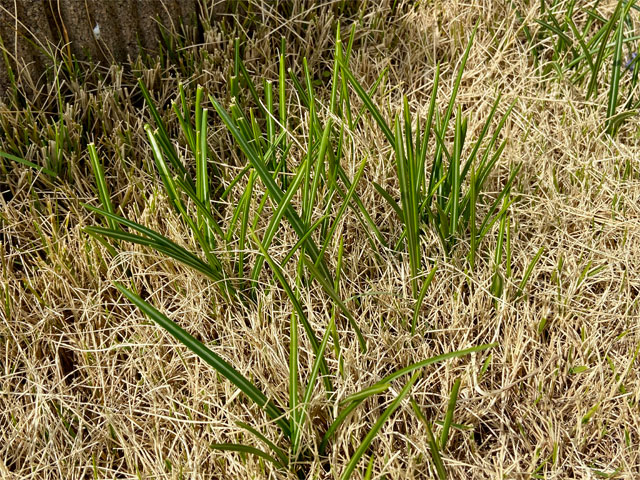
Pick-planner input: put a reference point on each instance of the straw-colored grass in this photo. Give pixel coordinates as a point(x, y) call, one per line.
point(90, 388)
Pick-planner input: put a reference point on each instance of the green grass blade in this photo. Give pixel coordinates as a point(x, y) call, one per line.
point(458, 81)
point(282, 94)
point(333, 104)
point(583, 46)
point(422, 155)
point(244, 224)
point(423, 291)
point(369, 471)
point(27, 163)
point(366, 393)
point(161, 243)
point(274, 223)
point(343, 206)
point(155, 237)
point(346, 411)
point(184, 117)
point(271, 113)
point(101, 183)
point(315, 369)
point(434, 449)
point(368, 102)
point(361, 212)
point(183, 257)
point(346, 474)
point(294, 421)
point(454, 168)
point(202, 178)
point(473, 198)
point(282, 456)
point(606, 31)
point(453, 398)
point(252, 87)
point(301, 240)
point(409, 208)
point(310, 93)
point(236, 447)
point(274, 190)
point(172, 192)
point(319, 168)
point(211, 358)
point(328, 288)
point(164, 136)
point(614, 86)
point(277, 271)
point(336, 287)
point(490, 218)
point(529, 271)
point(390, 200)
point(437, 359)
point(203, 209)
point(485, 129)
point(339, 420)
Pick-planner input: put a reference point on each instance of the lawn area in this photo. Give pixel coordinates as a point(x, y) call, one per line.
point(327, 240)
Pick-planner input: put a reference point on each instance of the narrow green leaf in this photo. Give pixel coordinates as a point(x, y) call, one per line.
point(27, 163)
point(101, 183)
point(366, 393)
point(236, 447)
point(274, 190)
point(346, 474)
point(211, 358)
point(293, 382)
point(423, 291)
point(343, 206)
point(326, 286)
point(614, 85)
point(277, 450)
point(437, 359)
point(368, 102)
point(315, 369)
point(390, 200)
point(282, 206)
point(529, 271)
point(453, 398)
point(277, 271)
point(434, 449)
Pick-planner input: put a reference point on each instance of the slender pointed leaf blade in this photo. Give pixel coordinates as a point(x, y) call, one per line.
point(346, 475)
point(237, 447)
point(210, 357)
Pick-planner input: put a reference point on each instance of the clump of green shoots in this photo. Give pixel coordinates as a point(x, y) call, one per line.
point(583, 52)
point(263, 136)
point(445, 192)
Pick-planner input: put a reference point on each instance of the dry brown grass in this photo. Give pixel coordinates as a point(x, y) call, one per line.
point(89, 388)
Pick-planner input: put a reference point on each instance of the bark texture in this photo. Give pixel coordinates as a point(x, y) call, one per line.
point(111, 30)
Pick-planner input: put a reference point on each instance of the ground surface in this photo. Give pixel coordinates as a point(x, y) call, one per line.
point(89, 388)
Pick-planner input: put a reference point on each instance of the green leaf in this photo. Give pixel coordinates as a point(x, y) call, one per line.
point(326, 286)
point(444, 437)
point(434, 449)
point(277, 450)
point(103, 190)
point(211, 358)
point(236, 447)
point(346, 474)
point(423, 291)
point(277, 271)
point(8, 156)
point(274, 190)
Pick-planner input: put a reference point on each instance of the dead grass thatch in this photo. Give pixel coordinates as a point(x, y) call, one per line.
point(90, 389)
